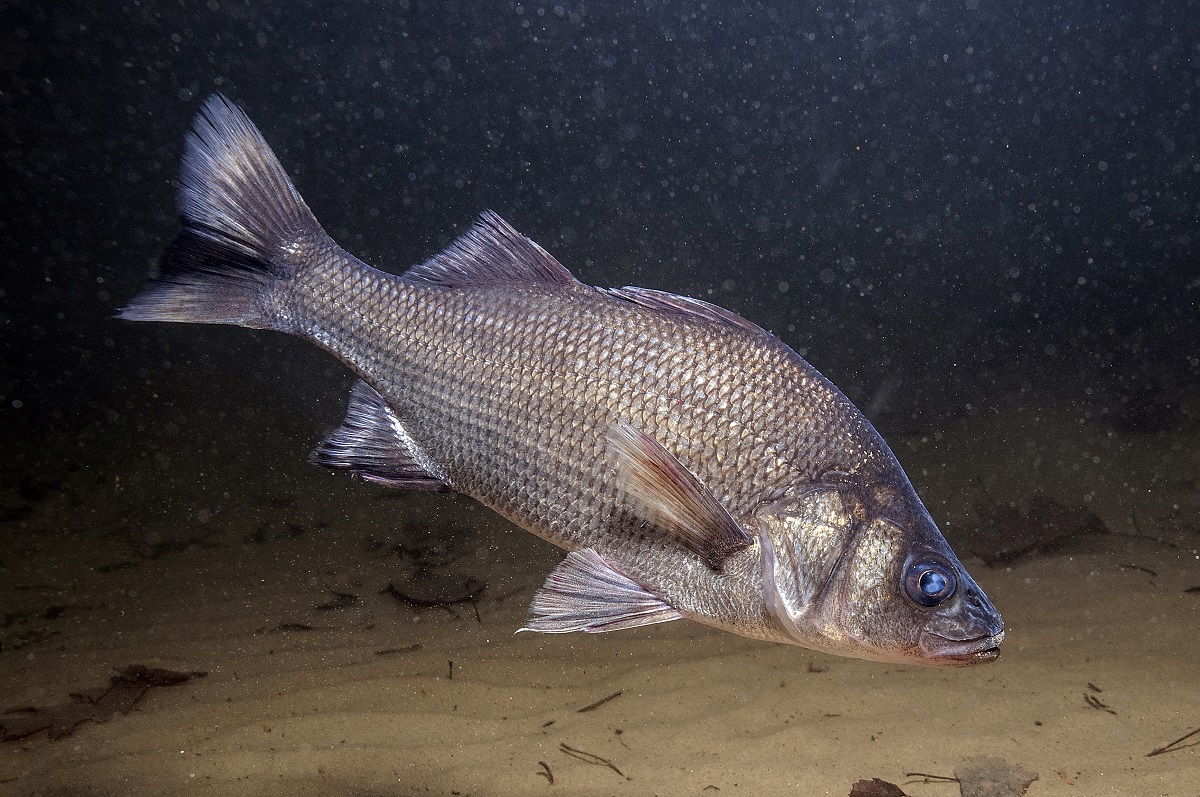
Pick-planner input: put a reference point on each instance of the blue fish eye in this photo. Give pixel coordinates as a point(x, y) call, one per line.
point(930, 583)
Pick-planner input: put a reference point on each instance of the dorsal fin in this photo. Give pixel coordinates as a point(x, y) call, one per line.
point(683, 305)
point(490, 253)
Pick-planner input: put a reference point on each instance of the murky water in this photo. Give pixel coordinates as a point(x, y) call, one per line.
point(980, 222)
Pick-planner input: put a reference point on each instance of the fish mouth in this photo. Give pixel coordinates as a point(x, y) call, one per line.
point(944, 652)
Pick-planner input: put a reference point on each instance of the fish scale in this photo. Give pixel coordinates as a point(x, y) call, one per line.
point(690, 463)
point(451, 365)
point(482, 436)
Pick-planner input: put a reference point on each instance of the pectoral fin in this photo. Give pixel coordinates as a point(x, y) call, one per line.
point(674, 499)
point(584, 593)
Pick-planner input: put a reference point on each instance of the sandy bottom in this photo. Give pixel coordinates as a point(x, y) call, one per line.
point(242, 554)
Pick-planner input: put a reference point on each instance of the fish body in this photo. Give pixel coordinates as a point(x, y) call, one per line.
point(690, 462)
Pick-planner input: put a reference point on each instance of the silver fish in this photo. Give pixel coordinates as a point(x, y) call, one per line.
point(691, 463)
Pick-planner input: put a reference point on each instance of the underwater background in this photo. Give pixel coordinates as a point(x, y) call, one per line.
point(980, 220)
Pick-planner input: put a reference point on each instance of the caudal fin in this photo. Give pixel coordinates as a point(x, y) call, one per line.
point(242, 218)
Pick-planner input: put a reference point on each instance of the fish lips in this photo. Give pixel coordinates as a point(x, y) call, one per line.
point(945, 652)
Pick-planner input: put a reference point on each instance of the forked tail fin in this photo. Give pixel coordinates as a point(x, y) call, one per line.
point(242, 219)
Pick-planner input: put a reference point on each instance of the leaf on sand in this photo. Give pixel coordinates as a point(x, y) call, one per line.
point(875, 788)
point(986, 776)
point(98, 704)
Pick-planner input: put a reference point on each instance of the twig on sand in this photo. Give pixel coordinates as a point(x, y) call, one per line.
point(1171, 747)
point(928, 778)
point(600, 702)
point(394, 651)
point(1096, 703)
point(590, 758)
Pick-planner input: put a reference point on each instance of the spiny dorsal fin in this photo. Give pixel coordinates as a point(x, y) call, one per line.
point(490, 253)
point(674, 499)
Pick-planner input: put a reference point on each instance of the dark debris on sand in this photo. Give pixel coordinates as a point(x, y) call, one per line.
point(98, 704)
point(1008, 532)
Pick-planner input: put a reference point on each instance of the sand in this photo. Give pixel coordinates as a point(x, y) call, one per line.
point(184, 560)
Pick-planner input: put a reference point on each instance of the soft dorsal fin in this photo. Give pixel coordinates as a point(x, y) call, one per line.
point(490, 253)
point(674, 499)
point(682, 305)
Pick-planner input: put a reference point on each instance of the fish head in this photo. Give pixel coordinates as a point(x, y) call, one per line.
point(870, 576)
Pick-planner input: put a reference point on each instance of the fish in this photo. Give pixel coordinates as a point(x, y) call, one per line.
point(690, 463)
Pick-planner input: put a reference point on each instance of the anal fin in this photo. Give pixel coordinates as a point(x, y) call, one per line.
point(373, 443)
point(584, 593)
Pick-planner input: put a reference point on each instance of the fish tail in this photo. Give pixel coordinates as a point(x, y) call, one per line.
point(244, 227)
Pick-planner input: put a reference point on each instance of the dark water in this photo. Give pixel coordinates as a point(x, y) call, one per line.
point(945, 194)
point(955, 211)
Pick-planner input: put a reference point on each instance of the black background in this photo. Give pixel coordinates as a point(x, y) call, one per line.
point(980, 200)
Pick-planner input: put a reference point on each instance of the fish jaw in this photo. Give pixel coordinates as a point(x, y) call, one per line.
point(938, 651)
point(971, 634)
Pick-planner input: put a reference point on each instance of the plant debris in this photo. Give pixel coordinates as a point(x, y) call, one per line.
point(590, 758)
point(1006, 533)
point(1096, 703)
point(97, 705)
point(28, 637)
point(285, 627)
point(395, 651)
point(429, 590)
point(123, 564)
point(925, 777)
point(600, 702)
point(1171, 747)
point(987, 776)
point(875, 788)
point(440, 545)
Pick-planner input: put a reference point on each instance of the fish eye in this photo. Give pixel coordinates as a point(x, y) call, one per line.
point(929, 583)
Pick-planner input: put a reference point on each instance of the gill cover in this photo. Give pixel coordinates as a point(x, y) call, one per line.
point(803, 539)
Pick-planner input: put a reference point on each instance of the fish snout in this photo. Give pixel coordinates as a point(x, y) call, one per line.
point(970, 634)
